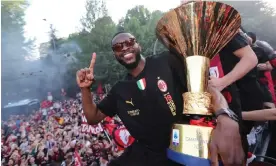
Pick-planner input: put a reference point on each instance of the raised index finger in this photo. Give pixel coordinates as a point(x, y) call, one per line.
point(92, 63)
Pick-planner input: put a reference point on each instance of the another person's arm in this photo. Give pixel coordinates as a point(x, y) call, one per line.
point(248, 60)
point(265, 66)
point(260, 115)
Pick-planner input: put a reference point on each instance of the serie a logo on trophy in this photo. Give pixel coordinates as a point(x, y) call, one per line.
point(197, 31)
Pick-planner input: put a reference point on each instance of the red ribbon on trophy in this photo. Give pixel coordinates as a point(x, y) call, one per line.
point(203, 122)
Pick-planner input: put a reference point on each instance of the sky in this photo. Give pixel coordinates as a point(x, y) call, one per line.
point(65, 15)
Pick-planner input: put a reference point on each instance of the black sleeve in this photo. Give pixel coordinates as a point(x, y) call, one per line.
point(269, 53)
point(265, 46)
point(238, 41)
point(262, 58)
point(176, 63)
point(108, 105)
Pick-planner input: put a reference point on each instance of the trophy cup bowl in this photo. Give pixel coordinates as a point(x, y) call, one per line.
point(197, 31)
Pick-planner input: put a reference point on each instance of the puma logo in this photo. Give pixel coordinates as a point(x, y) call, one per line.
point(130, 102)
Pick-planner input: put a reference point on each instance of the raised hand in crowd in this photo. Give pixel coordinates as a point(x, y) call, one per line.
point(225, 139)
point(85, 77)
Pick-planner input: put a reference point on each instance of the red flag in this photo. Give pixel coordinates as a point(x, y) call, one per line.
point(216, 67)
point(203, 122)
point(100, 89)
point(46, 104)
point(217, 71)
point(60, 120)
point(77, 158)
point(250, 158)
point(122, 138)
point(110, 127)
point(270, 84)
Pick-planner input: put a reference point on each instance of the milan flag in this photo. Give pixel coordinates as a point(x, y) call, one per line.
point(122, 138)
point(90, 129)
point(119, 133)
point(216, 70)
point(77, 159)
point(216, 67)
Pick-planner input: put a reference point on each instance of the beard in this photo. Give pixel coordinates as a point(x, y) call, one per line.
point(133, 65)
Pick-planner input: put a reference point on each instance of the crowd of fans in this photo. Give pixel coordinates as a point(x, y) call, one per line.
point(54, 138)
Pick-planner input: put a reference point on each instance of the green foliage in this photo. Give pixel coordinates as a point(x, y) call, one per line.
point(257, 17)
point(14, 45)
point(94, 9)
point(12, 30)
point(98, 29)
point(53, 38)
point(141, 23)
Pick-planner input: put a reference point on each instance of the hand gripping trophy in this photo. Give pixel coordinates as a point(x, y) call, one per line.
point(197, 31)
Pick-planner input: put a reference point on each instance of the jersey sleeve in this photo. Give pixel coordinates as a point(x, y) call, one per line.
point(108, 105)
point(239, 41)
point(176, 63)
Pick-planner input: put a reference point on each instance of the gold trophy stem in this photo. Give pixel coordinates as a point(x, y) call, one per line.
point(197, 100)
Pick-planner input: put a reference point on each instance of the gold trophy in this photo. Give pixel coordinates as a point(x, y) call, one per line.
point(197, 31)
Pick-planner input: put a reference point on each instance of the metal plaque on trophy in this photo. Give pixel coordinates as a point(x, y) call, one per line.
point(197, 31)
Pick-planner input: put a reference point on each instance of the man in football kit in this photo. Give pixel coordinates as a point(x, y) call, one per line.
point(148, 101)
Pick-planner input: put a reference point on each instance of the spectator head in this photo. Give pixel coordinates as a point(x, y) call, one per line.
point(49, 137)
point(32, 160)
point(11, 162)
point(68, 158)
point(55, 149)
point(73, 143)
point(89, 151)
point(64, 143)
point(94, 164)
point(109, 157)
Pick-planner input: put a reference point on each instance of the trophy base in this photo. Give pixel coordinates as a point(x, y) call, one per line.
point(189, 144)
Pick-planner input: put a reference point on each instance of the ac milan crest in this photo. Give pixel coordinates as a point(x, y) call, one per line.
point(162, 85)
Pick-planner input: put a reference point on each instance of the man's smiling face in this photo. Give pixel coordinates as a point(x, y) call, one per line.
point(126, 50)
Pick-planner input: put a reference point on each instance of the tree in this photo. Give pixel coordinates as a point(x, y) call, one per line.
point(98, 29)
point(53, 38)
point(12, 30)
point(141, 22)
point(140, 13)
point(94, 9)
point(257, 17)
point(14, 46)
